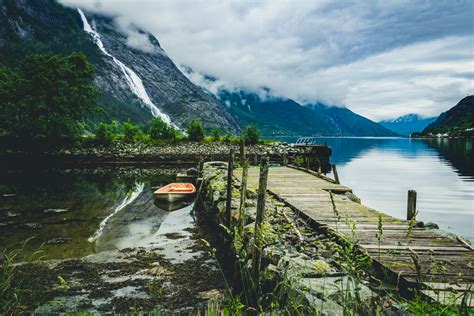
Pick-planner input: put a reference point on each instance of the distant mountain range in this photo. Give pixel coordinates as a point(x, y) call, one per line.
point(407, 124)
point(140, 82)
point(457, 121)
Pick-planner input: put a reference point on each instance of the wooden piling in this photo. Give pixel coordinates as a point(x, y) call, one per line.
point(228, 204)
point(262, 189)
point(336, 175)
point(306, 160)
point(285, 159)
point(201, 166)
point(411, 205)
point(243, 187)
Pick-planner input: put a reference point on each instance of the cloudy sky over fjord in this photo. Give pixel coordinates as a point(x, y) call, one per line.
point(380, 58)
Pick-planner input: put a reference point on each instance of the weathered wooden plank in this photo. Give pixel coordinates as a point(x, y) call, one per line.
point(396, 246)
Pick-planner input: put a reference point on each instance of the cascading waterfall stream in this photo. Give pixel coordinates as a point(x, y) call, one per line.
point(134, 82)
point(128, 199)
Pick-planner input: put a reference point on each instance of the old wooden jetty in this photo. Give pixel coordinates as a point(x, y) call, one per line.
point(428, 260)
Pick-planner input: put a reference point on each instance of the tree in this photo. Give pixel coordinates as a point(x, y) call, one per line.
point(132, 132)
point(251, 134)
point(160, 131)
point(195, 131)
point(44, 99)
point(216, 134)
point(103, 134)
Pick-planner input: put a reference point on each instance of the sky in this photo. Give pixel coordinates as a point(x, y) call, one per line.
point(380, 58)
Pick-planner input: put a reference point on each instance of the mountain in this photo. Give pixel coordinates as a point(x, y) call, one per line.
point(279, 116)
point(407, 124)
point(457, 121)
point(136, 82)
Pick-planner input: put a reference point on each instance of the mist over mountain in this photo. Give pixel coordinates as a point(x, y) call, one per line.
point(407, 124)
point(280, 116)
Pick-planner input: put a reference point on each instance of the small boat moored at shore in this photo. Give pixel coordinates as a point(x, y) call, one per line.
point(174, 196)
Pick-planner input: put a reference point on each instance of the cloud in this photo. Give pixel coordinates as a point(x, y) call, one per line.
point(381, 58)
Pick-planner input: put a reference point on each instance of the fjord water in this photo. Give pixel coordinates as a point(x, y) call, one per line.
point(381, 171)
point(76, 212)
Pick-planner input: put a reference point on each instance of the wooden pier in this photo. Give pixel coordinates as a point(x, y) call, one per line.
point(415, 258)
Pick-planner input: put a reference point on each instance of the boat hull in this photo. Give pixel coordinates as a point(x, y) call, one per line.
point(171, 200)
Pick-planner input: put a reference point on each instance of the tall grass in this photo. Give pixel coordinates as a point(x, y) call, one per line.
point(10, 295)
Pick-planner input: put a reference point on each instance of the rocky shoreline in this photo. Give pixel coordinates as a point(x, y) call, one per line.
point(123, 153)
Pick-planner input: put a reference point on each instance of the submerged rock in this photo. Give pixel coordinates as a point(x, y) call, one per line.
point(33, 225)
point(55, 210)
point(58, 241)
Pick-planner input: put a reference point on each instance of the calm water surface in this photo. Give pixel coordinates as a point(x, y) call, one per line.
point(382, 170)
point(76, 212)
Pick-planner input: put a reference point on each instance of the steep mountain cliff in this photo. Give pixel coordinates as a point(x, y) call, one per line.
point(278, 116)
point(407, 124)
point(136, 83)
point(459, 120)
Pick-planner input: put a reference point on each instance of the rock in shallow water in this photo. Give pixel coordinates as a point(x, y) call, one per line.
point(58, 241)
point(55, 210)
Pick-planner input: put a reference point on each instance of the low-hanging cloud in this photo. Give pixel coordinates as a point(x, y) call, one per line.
point(380, 58)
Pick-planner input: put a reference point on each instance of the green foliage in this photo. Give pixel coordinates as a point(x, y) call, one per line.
point(44, 99)
point(251, 134)
point(132, 133)
point(216, 134)
point(160, 131)
point(195, 131)
point(103, 134)
point(10, 295)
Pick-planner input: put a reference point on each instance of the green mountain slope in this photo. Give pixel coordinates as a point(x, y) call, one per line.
point(277, 117)
point(457, 121)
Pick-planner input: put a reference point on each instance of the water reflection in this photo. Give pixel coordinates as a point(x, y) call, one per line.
point(382, 170)
point(30, 200)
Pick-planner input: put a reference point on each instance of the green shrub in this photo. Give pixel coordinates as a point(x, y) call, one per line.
point(216, 134)
point(251, 134)
point(195, 131)
point(103, 134)
point(132, 133)
point(160, 131)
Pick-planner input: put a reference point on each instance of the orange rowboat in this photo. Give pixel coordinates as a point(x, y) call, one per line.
point(172, 194)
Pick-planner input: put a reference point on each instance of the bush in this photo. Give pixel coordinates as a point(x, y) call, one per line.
point(132, 133)
point(216, 134)
point(251, 134)
point(160, 131)
point(195, 131)
point(103, 134)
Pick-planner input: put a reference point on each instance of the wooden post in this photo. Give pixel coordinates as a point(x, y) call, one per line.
point(319, 167)
point(228, 204)
point(255, 159)
point(243, 185)
point(201, 166)
point(262, 189)
point(306, 159)
point(243, 155)
point(411, 205)
point(336, 175)
point(285, 159)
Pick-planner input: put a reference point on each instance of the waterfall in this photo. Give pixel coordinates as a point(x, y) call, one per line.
point(134, 82)
point(128, 199)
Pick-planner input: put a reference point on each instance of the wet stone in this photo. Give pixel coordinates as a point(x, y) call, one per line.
point(56, 210)
point(58, 241)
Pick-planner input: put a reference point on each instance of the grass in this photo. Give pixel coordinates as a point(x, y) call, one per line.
point(10, 295)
